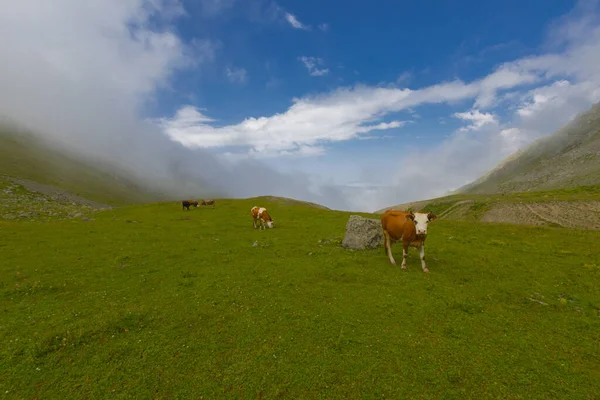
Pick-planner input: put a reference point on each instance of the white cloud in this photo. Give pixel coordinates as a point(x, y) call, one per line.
point(545, 91)
point(477, 118)
point(311, 65)
point(293, 21)
point(304, 124)
point(507, 76)
point(512, 139)
point(342, 115)
point(82, 73)
point(236, 75)
point(83, 78)
point(324, 27)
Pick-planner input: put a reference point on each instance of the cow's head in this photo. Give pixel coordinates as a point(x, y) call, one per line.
point(270, 223)
point(421, 221)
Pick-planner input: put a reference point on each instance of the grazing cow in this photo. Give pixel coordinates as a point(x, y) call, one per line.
point(188, 203)
point(408, 227)
point(208, 203)
point(260, 215)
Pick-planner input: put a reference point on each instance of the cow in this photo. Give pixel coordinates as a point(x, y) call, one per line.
point(187, 203)
point(408, 227)
point(208, 203)
point(260, 217)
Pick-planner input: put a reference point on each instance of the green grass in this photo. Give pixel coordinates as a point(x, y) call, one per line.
point(154, 302)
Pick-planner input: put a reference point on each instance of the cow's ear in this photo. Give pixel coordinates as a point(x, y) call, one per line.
point(431, 216)
point(410, 216)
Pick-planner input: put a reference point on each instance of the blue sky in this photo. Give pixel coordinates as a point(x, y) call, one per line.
point(411, 43)
point(354, 104)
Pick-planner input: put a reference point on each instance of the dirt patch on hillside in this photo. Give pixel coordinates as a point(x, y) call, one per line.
point(56, 194)
point(512, 213)
point(570, 214)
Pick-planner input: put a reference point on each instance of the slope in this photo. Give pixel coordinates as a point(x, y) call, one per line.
point(568, 158)
point(26, 160)
point(575, 207)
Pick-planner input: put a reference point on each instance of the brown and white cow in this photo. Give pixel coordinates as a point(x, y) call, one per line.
point(188, 203)
point(408, 227)
point(208, 203)
point(261, 217)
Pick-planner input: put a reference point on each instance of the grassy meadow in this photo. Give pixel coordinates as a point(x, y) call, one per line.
point(154, 302)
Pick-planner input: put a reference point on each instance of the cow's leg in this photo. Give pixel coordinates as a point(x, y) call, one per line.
point(404, 254)
point(422, 254)
point(388, 247)
point(254, 223)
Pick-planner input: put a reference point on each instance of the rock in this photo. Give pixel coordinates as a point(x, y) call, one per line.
point(363, 233)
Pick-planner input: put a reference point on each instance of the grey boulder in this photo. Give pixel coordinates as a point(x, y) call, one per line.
point(363, 233)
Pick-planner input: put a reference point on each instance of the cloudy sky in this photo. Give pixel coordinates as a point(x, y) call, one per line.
point(353, 104)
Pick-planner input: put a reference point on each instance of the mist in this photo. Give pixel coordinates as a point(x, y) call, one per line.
point(82, 80)
point(87, 76)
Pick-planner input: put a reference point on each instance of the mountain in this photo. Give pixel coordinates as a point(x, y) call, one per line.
point(555, 181)
point(570, 157)
point(27, 159)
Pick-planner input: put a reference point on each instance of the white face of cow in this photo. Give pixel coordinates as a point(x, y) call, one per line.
point(421, 222)
point(270, 224)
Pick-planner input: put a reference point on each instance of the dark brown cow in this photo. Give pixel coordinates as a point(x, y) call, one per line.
point(208, 203)
point(187, 203)
point(408, 227)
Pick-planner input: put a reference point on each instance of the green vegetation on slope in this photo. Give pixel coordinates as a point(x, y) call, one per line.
point(155, 302)
point(24, 156)
point(16, 202)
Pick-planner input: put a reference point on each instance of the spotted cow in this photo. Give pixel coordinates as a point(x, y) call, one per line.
point(208, 203)
point(408, 227)
point(261, 217)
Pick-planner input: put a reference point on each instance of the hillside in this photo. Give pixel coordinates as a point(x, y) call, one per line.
point(26, 159)
point(569, 157)
point(577, 207)
point(554, 182)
